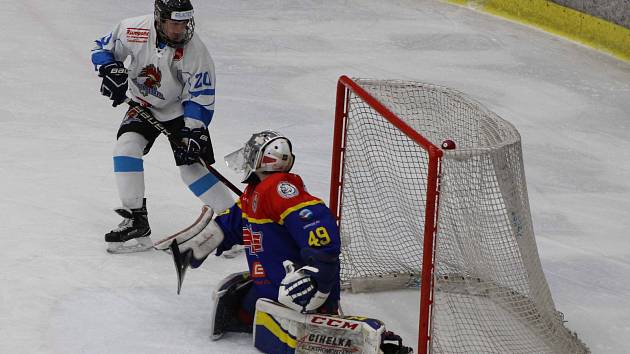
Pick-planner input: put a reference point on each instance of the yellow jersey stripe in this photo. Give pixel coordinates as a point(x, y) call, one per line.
point(256, 221)
point(297, 207)
point(227, 211)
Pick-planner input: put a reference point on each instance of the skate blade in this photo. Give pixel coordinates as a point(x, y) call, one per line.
point(216, 336)
point(140, 244)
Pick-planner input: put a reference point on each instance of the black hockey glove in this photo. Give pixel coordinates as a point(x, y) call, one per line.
point(114, 83)
point(195, 144)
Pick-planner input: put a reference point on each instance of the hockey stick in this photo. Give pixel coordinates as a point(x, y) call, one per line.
point(146, 115)
point(181, 264)
point(181, 261)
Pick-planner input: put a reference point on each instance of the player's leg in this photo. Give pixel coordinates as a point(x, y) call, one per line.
point(206, 187)
point(233, 305)
point(129, 169)
point(135, 138)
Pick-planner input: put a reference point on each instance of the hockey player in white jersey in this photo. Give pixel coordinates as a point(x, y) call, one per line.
point(170, 73)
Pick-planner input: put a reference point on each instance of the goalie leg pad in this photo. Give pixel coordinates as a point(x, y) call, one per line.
point(280, 330)
point(228, 314)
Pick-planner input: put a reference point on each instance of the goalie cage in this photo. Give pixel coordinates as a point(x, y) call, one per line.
point(456, 222)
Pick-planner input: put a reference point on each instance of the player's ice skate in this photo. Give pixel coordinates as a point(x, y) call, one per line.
point(132, 234)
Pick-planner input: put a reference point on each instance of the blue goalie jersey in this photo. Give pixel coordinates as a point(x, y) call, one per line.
point(275, 220)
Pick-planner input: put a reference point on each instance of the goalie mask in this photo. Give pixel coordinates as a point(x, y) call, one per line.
point(264, 152)
point(174, 22)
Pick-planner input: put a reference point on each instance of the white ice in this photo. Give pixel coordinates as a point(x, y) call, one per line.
point(277, 63)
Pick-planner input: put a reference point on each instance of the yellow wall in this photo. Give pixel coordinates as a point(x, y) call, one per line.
point(563, 21)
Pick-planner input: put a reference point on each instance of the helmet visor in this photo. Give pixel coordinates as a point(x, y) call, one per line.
point(246, 160)
point(236, 160)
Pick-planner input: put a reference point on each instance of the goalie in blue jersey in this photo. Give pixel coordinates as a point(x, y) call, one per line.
point(292, 245)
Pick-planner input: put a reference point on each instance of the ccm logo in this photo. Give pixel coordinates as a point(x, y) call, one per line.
point(334, 322)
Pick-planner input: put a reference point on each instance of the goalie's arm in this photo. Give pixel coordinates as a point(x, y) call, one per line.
point(231, 222)
point(309, 287)
point(316, 235)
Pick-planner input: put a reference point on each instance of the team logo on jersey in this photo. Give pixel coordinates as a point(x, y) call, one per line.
point(305, 214)
point(252, 241)
point(137, 35)
point(287, 190)
point(152, 75)
point(257, 270)
point(152, 80)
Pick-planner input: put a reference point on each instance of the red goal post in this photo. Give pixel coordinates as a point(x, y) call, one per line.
point(454, 222)
point(344, 85)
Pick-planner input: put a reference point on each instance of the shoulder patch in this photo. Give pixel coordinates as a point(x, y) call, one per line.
point(287, 190)
point(305, 214)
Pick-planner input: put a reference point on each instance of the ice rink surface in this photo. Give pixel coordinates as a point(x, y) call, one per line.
point(277, 63)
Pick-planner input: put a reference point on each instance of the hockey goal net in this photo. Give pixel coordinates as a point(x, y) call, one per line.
point(454, 222)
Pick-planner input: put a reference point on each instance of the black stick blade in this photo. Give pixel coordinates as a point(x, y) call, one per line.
point(181, 261)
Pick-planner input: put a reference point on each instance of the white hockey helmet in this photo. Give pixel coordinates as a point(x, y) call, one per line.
point(265, 152)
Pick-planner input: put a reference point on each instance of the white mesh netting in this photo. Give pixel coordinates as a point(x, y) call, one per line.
point(490, 294)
